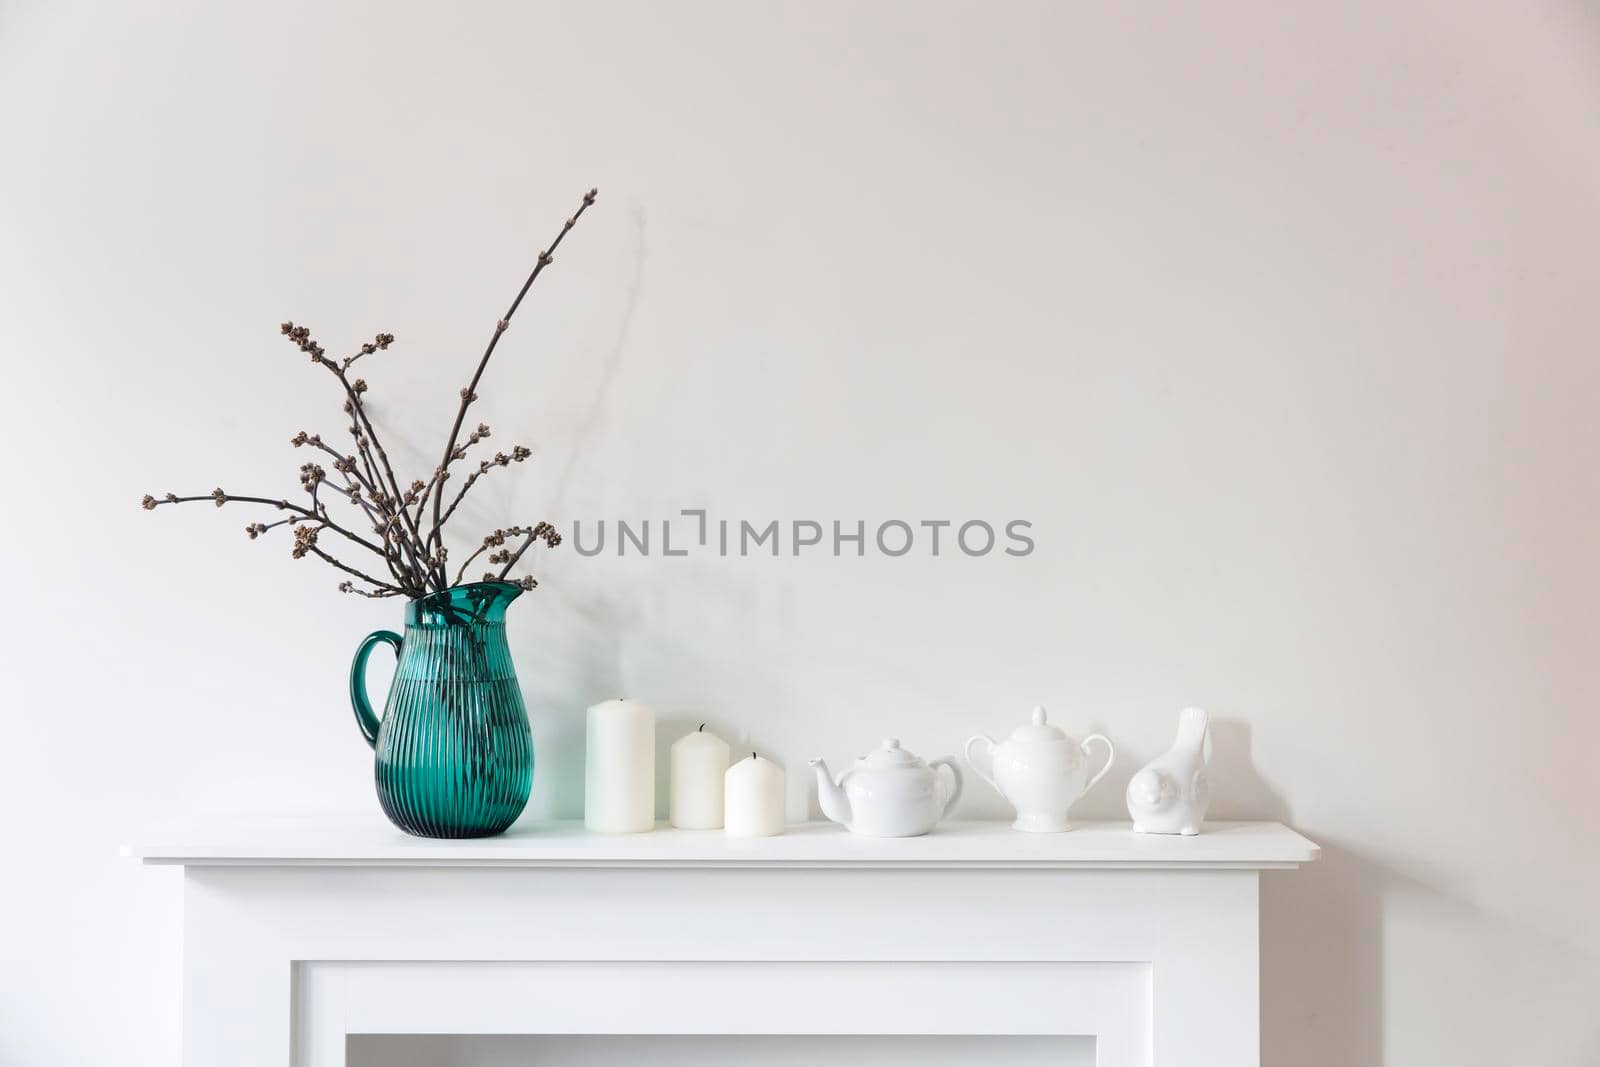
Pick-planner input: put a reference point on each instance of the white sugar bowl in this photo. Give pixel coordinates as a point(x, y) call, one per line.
point(1040, 771)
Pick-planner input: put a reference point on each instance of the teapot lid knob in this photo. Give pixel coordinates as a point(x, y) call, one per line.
point(1038, 715)
point(891, 742)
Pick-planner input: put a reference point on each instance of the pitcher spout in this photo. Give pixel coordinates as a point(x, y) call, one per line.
point(831, 795)
point(471, 602)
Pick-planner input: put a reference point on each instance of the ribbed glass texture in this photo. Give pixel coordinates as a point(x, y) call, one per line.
point(454, 751)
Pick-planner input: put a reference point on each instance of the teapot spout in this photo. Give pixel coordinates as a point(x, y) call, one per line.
point(835, 804)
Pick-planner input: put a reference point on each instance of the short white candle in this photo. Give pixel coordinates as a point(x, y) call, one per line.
point(699, 762)
point(619, 780)
point(753, 790)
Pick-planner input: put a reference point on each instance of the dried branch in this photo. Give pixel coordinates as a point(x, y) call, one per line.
point(352, 490)
point(518, 454)
point(382, 340)
point(488, 543)
point(439, 472)
point(496, 539)
point(470, 393)
point(351, 587)
point(369, 469)
point(256, 529)
point(369, 579)
point(392, 505)
point(219, 498)
point(349, 466)
point(415, 561)
point(540, 532)
point(384, 491)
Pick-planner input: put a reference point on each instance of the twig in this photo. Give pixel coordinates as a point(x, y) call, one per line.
point(151, 503)
point(314, 550)
point(469, 394)
point(359, 412)
point(541, 531)
point(350, 587)
point(459, 453)
point(518, 454)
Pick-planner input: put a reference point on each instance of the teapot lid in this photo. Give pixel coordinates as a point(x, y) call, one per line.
point(890, 754)
point(1039, 729)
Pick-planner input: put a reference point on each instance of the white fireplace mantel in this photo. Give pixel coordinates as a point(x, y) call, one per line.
point(302, 931)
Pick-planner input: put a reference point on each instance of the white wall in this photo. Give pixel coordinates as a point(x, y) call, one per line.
point(1277, 321)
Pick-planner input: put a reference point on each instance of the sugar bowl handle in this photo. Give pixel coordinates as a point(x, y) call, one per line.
point(966, 752)
point(1111, 755)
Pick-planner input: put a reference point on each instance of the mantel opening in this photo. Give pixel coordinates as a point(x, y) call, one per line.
point(701, 1050)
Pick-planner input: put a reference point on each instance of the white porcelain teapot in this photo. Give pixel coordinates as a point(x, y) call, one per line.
point(1041, 771)
point(889, 792)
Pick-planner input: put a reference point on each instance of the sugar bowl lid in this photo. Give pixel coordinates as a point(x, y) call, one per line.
point(1039, 729)
point(890, 754)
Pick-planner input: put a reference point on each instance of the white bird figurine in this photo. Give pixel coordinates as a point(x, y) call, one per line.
point(1170, 794)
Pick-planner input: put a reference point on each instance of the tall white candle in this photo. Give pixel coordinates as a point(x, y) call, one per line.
point(699, 762)
point(619, 780)
point(753, 798)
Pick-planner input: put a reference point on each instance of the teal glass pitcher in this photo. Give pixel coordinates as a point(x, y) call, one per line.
point(454, 754)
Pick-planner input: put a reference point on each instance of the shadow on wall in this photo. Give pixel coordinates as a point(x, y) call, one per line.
point(577, 649)
point(1321, 961)
point(574, 650)
point(1321, 928)
point(1238, 789)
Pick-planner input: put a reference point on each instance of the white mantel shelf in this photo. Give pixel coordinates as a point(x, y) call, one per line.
point(369, 841)
point(303, 930)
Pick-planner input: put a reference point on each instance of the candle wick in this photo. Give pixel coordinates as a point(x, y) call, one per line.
point(702, 726)
point(754, 756)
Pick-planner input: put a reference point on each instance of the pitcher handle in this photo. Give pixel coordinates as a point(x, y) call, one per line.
point(955, 773)
point(966, 752)
point(1111, 755)
point(366, 718)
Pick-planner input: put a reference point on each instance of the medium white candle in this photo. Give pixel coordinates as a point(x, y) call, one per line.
point(619, 780)
point(699, 762)
point(753, 798)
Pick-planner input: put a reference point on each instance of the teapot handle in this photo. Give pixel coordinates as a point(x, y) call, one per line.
point(955, 774)
point(365, 717)
point(966, 752)
point(1111, 755)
